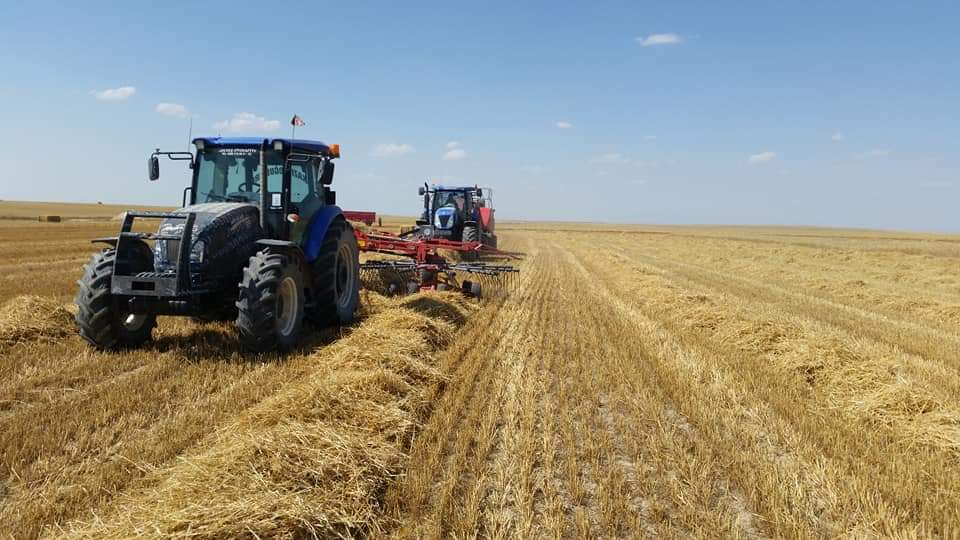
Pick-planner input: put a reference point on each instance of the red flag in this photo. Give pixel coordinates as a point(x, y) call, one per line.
point(296, 121)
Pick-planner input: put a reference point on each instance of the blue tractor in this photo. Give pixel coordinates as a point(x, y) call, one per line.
point(457, 213)
point(259, 240)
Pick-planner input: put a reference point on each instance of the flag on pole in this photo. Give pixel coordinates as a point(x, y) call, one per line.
point(296, 121)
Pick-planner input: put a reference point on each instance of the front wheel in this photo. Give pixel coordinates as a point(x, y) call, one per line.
point(104, 320)
point(271, 302)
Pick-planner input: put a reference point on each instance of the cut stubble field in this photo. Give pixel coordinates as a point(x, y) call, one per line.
point(635, 381)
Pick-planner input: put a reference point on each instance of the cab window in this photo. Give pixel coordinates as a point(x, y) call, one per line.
point(302, 181)
point(233, 174)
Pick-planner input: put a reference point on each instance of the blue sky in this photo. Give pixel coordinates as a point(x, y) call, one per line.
point(821, 113)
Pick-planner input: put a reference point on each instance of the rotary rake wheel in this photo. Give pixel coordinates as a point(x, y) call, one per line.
point(418, 266)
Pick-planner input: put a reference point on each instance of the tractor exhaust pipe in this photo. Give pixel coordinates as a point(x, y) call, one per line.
point(264, 196)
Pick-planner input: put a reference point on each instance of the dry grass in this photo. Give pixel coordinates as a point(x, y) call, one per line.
point(31, 318)
point(688, 381)
point(31, 210)
point(638, 381)
point(313, 458)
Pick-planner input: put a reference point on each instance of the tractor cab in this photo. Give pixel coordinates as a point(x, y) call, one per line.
point(297, 175)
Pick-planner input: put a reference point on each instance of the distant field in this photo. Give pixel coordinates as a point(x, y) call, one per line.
point(30, 210)
point(637, 381)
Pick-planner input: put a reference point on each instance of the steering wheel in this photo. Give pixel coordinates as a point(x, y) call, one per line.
point(243, 187)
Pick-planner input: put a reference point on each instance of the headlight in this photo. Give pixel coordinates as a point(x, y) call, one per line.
point(196, 254)
point(165, 251)
point(426, 231)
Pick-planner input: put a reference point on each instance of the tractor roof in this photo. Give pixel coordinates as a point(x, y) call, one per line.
point(454, 188)
point(299, 144)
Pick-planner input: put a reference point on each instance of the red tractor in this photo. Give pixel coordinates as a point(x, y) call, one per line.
point(460, 214)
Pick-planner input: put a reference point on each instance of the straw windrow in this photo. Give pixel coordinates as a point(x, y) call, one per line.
point(30, 318)
point(313, 459)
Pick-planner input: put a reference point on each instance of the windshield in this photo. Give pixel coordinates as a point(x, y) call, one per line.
point(449, 198)
point(233, 174)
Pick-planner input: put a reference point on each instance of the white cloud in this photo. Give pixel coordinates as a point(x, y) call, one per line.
point(243, 122)
point(936, 184)
point(838, 137)
point(384, 150)
point(173, 109)
point(115, 94)
point(612, 157)
point(762, 157)
point(649, 137)
point(454, 152)
point(875, 153)
point(659, 39)
point(562, 124)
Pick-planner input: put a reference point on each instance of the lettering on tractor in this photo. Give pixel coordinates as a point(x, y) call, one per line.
point(259, 240)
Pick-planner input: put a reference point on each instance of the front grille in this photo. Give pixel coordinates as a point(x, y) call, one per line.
point(156, 275)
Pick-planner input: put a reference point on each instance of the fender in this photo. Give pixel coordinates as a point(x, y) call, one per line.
point(318, 230)
point(290, 248)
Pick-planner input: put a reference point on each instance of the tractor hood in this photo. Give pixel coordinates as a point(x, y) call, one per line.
point(445, 218)
point(207, 212)
point(221, 230)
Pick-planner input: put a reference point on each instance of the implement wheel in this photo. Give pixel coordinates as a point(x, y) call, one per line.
point(270, 304)
point(336, 277)
point(104, 319)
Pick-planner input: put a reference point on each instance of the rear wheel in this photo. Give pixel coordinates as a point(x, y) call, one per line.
point(271, 302)
point(336, 276)
point(104, 319)
point(471, 234)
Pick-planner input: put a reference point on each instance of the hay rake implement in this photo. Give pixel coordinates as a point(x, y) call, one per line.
point(421, 267)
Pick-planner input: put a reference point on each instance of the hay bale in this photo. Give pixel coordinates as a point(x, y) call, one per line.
point(33, 318)
point(48, 219)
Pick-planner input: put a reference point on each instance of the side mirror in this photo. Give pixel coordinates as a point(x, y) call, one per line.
point(326, 175)
point(153, 168)
point(479, 192)
point(421, 191)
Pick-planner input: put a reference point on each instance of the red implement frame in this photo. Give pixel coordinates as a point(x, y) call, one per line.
point(360, 216)
point(426, 259)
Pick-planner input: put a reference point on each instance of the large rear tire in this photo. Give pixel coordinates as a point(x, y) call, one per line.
point(270, 302)
point(336, 277)
point(470, 234)
point(103, 318)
